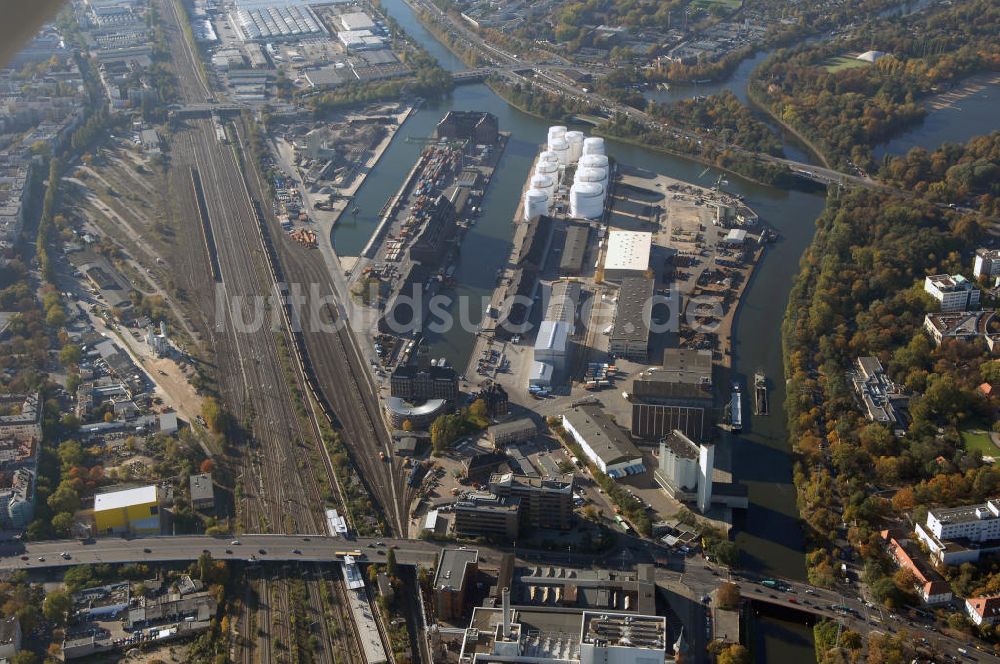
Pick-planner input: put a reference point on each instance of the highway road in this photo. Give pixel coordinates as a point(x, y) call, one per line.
point(180, 548)
point(545, 75)
point(691, 576)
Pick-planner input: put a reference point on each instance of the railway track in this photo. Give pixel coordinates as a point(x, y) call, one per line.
point(337, 375)
point(253, 383)
point(280, 493)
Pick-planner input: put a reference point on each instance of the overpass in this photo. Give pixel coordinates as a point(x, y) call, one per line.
point(691, 577)
point(204, 110)
point(471, 75)
point(185, 548)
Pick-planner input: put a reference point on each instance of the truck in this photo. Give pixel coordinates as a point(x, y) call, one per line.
point(770, 583)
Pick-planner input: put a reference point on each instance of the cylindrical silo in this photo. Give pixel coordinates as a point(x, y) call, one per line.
point(586, 174)
point(536, 202)
point(548, 155)
point(561, 147)
point(550, 168)
point(593, 145)
point(575, 140)
point(586, 200)
point(594, 161)
point(557, 131)
point(545, 183)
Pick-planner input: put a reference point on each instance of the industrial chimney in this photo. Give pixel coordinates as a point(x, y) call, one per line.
point(506, 613)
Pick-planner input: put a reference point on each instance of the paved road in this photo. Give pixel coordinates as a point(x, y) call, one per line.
point(311, 548)
point(691, 577)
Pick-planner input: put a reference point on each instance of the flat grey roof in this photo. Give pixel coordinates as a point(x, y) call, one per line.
point(201, 487)
point(631, 316)
point(575, 247)
point(687, 364)
point(453, 566)
point(606, 438)
point(520, 424)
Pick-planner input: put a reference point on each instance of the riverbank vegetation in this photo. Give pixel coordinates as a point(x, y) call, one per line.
point(733, 123)
point(835, 645)
point(965, 175)
point(860, 293)
point(721, 117)
point(738, 162)
point(846, 111)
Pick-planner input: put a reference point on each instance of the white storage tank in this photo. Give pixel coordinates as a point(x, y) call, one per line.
point(586, 174)
point(536, 202)
point(557, 131)
point(575, 140)
point(561, 147)
point(550, 168)
point(586, 200)
point(548, 155)
point(593, 145)
point(545, 183)
point(594, 161)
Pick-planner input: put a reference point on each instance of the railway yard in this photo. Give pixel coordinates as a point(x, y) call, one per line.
point(282, 473)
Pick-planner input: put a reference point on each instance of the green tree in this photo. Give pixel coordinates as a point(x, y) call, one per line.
point(62, 522)
point(64, 499)
point(478, 409)
point(390, 562)
point(70, 454)
point(56, 606)
point(70, 355)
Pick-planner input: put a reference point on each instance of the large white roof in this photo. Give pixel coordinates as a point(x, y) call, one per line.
point(115, 499)
point(552, 335)
point(628, 250)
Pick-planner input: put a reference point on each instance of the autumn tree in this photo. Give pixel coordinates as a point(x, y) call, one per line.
point(728, 595)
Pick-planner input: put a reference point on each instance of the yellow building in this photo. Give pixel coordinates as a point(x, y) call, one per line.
point(128, 510)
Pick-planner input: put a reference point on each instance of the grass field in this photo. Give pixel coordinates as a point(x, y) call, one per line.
point(842, 62)
point(978, 439)
point(731, 5)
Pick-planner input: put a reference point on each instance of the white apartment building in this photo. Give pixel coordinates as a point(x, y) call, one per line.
point(987, 263)
point(953, 292)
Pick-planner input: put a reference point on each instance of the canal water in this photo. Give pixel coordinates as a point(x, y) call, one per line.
point(957, 123)
point(769, 536)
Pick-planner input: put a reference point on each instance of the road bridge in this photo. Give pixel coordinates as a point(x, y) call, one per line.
point(182, 548)
point(471, 75)
point(204, 110)
point(692, 577)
